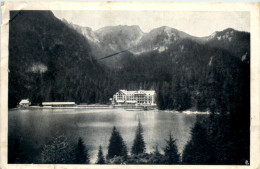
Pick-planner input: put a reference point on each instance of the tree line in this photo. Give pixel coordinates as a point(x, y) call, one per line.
point(59, 151)
point(209, 144)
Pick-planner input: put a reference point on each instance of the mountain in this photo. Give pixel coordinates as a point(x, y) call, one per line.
point(112, 39)
point(96, 48)
point(236, 42)
point(159, 38)
point(119, 37)
point(85, 31)
point(49, 61)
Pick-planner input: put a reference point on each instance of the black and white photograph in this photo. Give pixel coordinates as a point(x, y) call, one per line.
point(131, 87)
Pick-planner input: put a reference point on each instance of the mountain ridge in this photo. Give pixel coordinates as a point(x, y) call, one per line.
point(112, 39)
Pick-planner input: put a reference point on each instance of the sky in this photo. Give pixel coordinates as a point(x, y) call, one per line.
point(194, 23)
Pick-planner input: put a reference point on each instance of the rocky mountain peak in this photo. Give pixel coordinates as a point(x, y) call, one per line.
point(112, 39)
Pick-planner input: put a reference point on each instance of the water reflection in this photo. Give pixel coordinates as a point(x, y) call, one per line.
point(37, 126)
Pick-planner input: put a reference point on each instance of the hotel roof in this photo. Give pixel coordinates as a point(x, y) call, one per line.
point(147, 92)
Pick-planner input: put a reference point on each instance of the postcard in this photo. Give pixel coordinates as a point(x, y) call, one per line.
point(130, 85)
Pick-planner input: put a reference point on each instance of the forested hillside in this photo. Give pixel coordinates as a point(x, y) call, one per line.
point(188, 75)
point(48, 61)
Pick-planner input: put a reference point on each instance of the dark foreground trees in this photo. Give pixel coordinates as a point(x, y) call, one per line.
point(16, 155)
point(81, 153)
point(117, 146)
point(215, 139)
point(157, 157)
point(220, 139)
point(100, 158)
point(139, 144)
point(198, 148)
point(171, 152)
point(57, 151)
point(153, 158)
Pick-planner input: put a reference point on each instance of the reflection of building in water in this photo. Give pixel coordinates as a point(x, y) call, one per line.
point(136, 97)
point(24, 103)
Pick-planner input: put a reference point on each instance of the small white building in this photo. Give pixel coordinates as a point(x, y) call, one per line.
point(24, 103)
point(136, 97)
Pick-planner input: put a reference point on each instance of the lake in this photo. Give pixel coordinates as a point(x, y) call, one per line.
point(36, 126)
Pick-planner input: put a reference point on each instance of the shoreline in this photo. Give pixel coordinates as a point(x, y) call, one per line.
point(103, 107)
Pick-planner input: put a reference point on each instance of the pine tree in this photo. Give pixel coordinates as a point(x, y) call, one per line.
point(156, 151)
point(81, 153)
point(17, 155)
point(139, 144)
point(196, 151)
point(157, 157)
point(100, 159)
point(117, 146)
point(124, 151)
point(57, 151)
point(171, 152)
point(159, 99)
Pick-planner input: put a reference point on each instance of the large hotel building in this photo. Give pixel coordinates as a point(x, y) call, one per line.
point(136, 97)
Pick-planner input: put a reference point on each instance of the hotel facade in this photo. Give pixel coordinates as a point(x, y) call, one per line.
point(136, 97)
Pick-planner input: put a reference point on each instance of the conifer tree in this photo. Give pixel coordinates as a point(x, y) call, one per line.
point(57, 151)
point(124, 151)
point(81, 153)
point(139, 144)
point(17, 155)
point(117, 146)
point(157, 157)
point(100, 159)
point(171, 152)
point(196, 151)
point(156, 151)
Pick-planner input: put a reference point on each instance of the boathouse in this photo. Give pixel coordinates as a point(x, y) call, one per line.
point(24, 103)
point(58, 104)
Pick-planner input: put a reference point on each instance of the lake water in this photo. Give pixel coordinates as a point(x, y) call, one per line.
point(36, 126)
